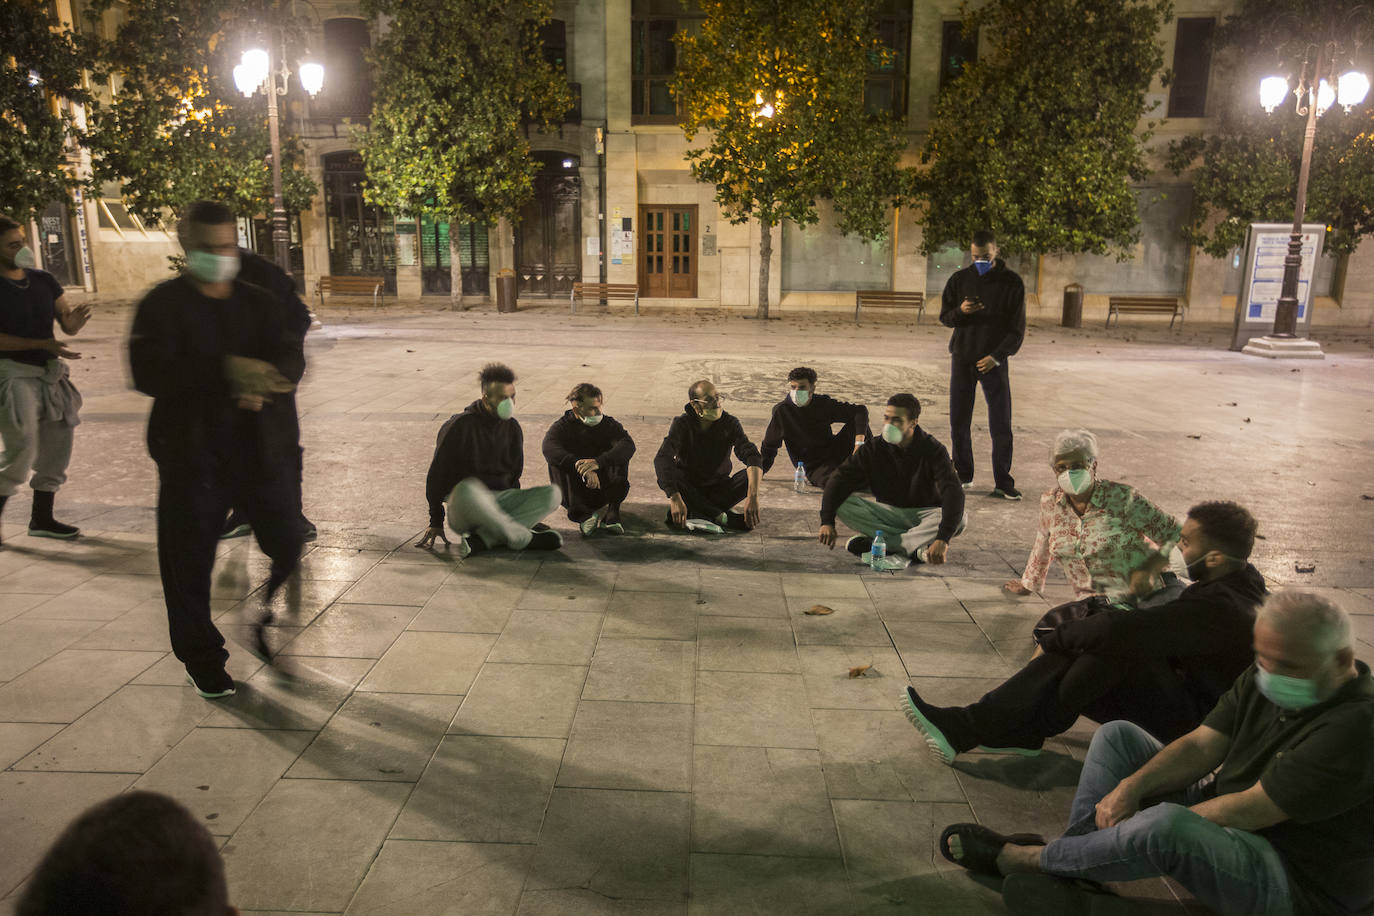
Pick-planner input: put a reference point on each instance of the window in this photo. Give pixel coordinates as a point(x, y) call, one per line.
point(1192, 66)
point(347, 89)
point(553, 36)
point(819, 258)
point(885, 89)
point(957, 51)
point(653, 56)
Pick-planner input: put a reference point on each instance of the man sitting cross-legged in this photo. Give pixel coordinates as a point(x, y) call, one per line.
point(693, 467)
point(476, 470)
point(1160, 667)
point(1285, 827)
point(803, 422)
point(918, 502)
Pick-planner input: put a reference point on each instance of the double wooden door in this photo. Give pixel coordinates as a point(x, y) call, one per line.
point(668, 251)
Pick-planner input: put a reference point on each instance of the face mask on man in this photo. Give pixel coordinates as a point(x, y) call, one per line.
point(1287, 692)
point(982, 265)
point(592, 420)
point(212, 268)
point(24, 257)
point(505, 408)
point(800, 396)
point(1076, 481)
point(892, 433)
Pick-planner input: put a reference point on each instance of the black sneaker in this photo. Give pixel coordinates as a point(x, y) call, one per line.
point(51, 528)
point(308, 530)
point(1009, 493)
point(858, 545)
point(212, 685)
point(545, 540)
point(735, 521)
point(235, 526)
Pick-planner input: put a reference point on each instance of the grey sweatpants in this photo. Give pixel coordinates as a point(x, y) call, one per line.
point(916, 527)
point(30, 443)
point(500, 517)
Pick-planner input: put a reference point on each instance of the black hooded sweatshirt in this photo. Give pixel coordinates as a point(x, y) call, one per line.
point(474, 443)
point(806, 431)
point(910, 477)
point(995, 330)
point(569, 440)
point(696, 456)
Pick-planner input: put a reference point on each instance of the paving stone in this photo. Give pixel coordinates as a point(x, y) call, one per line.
point(352, 630)
point(126, 733)
point(527, 701)
point(442, 879)
point(729, 884)
point(300, 693)
point(746, 644)
point(430, 663)
point(69, 683)
point(547, 638)
point(756, 710)
point(642, 670)
point(651, 615)
point(629, 746)
point(386, 736)
point(36, 807)
point(761, 801)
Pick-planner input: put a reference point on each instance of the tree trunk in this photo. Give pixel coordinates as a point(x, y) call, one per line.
point(765, 260)
point(455, 269)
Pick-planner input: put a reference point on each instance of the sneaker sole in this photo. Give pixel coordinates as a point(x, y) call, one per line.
point(1000, 494)
point(206, 694)
point(240, 531)
point(56, 536)
point(936, 743)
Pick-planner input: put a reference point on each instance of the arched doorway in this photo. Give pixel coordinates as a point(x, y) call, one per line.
point(549, 232)
point(362, 238)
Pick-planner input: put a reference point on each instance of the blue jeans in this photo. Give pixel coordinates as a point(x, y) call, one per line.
point(1231, 871)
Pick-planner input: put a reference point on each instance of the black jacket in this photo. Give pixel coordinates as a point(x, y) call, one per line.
point(806, 431)
point(1206, 633)
point(177, 349)
point(569, 440)
point(696, 456)
point(474, 443)
point(999, 327)
point(255, 269)
point(918, 475)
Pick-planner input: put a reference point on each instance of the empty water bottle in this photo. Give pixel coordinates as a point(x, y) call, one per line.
point(878, 552)
point(799, 478)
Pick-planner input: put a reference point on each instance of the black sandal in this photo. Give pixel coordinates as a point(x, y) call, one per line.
point(979, 846)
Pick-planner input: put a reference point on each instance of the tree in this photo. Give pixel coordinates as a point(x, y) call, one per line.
point(1246, 170)
point(1040, 139)
point(176, 130)
point(777, 87)
point(446, 135)
point(40, 65)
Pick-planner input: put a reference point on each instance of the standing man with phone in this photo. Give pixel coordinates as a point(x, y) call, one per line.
point(985, 304)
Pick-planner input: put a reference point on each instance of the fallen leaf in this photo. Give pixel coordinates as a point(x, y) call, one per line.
point(1305, 566)
point(819, 610)
point(1231, 404)
point(1194, 437)
point(860, 671)
point(1366, 496)
point(1247, 419)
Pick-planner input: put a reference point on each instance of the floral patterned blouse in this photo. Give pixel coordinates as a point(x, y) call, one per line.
point(1097, 552)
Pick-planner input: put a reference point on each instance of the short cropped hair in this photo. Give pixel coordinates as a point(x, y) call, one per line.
point(209, 213)
point(1317, 621)
point(1074, 442)
point(984, 237)
point(139, 852)
point(496, 372)
point(694, 390)
point(802, 374)
point(584, 390)
point(907, 402)
point(8, 225)
point(1228, 527)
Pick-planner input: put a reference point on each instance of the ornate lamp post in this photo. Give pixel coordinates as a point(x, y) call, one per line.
point(255, 71)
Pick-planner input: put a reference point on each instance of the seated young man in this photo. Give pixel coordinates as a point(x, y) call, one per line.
point(918, 502)
point(589, 460)
point(138, 852)
point(1161, 667)
point(476, 469)
point(1285, 827)
point(693, 467)
point(803, 422)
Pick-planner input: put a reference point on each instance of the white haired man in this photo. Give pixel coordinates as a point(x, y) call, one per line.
point(1287, 825)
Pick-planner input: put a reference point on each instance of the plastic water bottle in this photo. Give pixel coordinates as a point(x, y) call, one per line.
point(799, 478)
point(878, 552)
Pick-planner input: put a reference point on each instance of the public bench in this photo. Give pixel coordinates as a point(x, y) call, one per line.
point(351, 286)
point(605, 291)
point(1144, 305)
point(892, 299)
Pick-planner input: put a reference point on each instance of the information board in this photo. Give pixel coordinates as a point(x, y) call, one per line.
point(1266, 246)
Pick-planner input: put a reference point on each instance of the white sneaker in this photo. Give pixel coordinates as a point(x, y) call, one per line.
point(464, 548)
point(588, 526)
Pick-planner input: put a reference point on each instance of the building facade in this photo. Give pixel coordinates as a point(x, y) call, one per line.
point(615, 200)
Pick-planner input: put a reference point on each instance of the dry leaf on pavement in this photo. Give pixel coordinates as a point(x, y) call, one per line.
point(861, 671)
point(819, 610)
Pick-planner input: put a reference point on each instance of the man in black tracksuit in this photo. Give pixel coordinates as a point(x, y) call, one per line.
point(1161, 667)
point(985, 304)
point(589, 460)
point(918, 503)
point(215, 354)
point(693, 467)
point(803, 422)
point(479, 455)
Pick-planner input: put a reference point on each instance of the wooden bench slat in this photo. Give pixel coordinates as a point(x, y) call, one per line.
point(350, 285)
point(608, 291)
point(889, 298)
point(1145, 305)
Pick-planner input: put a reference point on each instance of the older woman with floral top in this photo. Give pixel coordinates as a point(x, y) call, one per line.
point(1107, 538)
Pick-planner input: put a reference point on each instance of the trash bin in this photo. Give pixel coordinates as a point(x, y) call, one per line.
point(1073, 306)
point(505, 293)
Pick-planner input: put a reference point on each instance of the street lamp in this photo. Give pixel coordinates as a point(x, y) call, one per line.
point(1315, 95)
point(253, 71)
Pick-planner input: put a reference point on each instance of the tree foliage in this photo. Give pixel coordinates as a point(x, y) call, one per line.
point(39, 64)
point(1246, 170)
point(777, 89)
point(446, 133)
point(1040, 139)
point(176, 130)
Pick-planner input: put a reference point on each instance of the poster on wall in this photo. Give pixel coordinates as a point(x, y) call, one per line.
point(1266, 246)
point(622, 246)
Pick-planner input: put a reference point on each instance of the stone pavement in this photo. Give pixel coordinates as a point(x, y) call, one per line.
point(649, 724)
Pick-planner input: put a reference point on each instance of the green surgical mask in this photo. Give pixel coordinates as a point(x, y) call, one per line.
point(506, 409)
point(892, 433)
point(212, 268)
point(801, 397)
point(1287, 692)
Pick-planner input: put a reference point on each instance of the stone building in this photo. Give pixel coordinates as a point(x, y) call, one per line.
point(616, 201)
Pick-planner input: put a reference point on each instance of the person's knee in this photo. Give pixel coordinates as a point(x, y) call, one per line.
point(1117, 740)
point(1166, 833)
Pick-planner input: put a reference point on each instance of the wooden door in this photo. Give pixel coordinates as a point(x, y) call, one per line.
point(668, 252)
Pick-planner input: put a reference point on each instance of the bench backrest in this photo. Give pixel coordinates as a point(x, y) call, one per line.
point(349, 284)
point(1143, 303)
point(890, 298)
point(605, 290)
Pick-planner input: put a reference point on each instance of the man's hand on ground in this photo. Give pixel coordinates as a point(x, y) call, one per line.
point(430, 535)
point(751, 511)
point(1015, 587)
point(986, 364)
point(935, 553)
point(677, 506)
point(591, 480)
point(828, 536)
